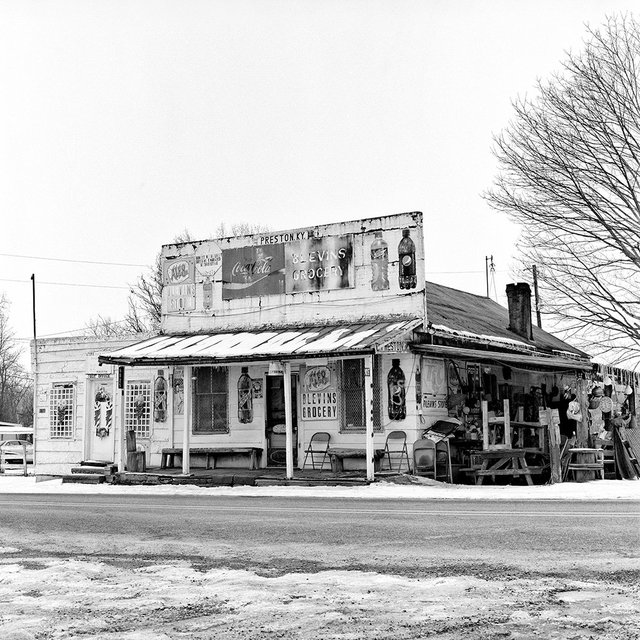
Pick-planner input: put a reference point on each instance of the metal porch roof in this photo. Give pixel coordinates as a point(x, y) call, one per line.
point(552, 362)
point(334, 340)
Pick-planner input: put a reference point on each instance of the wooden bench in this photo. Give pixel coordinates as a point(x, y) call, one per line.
point(210, 454)
point(337, 456)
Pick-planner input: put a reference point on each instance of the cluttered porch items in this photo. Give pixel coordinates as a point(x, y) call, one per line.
point(612, 421)
point(505, 416)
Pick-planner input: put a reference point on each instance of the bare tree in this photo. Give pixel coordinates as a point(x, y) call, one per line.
point(145, 299)
point(15, 382)
point(569, 169)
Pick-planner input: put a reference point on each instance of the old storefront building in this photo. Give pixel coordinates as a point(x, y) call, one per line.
point(321, 337)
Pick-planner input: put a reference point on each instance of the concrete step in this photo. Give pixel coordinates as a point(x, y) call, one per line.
point(97, 463)
point(83, 478)
point(105, 471)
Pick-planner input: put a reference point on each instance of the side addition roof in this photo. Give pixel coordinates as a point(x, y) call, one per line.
point(478, 324)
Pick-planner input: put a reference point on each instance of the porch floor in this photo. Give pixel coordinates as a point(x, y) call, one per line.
point(235, 477)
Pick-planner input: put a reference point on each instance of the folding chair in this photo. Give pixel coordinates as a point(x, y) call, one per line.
point(318, 446)
point(396, 445)
point(432, 459)
point(439, 433)
point(425, 458)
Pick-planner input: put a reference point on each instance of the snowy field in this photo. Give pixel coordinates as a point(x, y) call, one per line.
point(90, 597)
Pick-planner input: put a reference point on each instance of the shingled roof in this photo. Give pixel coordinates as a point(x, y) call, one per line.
point(477, 319)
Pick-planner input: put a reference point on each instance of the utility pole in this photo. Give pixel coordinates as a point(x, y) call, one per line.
point(488, 264)
point(535, 292)
point(34, 420)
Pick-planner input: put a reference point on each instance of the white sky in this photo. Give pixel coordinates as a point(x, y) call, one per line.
point(125, 121)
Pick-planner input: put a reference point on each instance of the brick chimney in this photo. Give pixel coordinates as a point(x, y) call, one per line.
point(519, 300)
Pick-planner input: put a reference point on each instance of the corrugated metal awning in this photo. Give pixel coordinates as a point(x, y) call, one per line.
point(238, 346)
point(553, 362)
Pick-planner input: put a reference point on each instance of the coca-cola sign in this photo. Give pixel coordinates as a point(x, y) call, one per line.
point(252, 271)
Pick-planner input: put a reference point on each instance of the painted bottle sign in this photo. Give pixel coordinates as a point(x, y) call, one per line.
point(160, 398)
point(245, 397)
point(207, 289)
point(407, 261)
point(103, 410)
point(397, 392)
point(379, 263)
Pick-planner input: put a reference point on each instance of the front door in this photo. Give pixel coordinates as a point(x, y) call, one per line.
point(276, 430)
point(100, 416)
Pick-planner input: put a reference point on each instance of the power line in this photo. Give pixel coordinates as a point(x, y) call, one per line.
point(70, 284)
point(111, 264)
point(462, 272)
point(67, 332)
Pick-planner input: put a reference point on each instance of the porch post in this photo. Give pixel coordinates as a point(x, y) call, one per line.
point(288, 419)
point(368, 415)
point(122, 434)
point(115, 392)
point(188, 414)
point(582, 427)
point(170, 421)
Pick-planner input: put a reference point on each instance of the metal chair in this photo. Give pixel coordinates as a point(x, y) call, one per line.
point(396, 445)
point(318, 446)
point(432, 459)
point(438, 433)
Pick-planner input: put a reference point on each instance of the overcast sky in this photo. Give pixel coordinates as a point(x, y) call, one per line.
point(124, 122)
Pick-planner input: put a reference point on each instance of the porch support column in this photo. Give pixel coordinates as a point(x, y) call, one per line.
point(368, 415)
point(170, 411)
point(288, 419)
point(119, 399)
point(188, 417)
point(582, 427)
point(115, 392)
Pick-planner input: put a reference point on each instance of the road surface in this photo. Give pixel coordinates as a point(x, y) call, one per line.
point(490, 569)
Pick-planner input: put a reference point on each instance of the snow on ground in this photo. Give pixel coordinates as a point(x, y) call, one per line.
point(419, 489)
point(52, 597)
point(65, 599)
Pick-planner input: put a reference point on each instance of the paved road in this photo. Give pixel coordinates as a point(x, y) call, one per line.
point(279, 535)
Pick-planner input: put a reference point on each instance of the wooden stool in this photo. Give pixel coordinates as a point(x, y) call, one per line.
point(587, 463)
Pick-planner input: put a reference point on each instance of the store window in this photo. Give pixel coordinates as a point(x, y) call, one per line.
point(210, 400)
point(62, 410)
point(138, 407)
point(351, 382)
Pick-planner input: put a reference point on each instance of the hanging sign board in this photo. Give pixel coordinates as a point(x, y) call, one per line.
point(434, 384)
point(319, 398)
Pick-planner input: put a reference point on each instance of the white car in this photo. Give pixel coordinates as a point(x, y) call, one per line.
point(14, 450)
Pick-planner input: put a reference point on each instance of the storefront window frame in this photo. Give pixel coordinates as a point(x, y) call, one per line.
point(218, 425)
point(343, 380)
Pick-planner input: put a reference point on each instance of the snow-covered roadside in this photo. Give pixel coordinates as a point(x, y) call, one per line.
point(67, 599)
point(424, 489)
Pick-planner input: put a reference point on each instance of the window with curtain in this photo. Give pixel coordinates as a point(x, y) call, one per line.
point(210, 400)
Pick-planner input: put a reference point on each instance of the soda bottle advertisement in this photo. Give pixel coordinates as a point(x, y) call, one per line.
point(407, 261)
point(397, 392)
point(245, 397)
point(379, 263)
